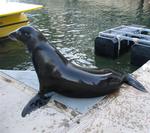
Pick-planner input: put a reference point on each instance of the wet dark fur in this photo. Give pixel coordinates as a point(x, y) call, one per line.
point(56, 73)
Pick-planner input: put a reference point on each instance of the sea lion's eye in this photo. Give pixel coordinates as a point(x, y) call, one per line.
point(27, 34)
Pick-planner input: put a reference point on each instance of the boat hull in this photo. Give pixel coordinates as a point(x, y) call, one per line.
point(12, 22)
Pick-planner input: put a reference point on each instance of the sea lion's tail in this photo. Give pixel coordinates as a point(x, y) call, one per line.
point(129, 79)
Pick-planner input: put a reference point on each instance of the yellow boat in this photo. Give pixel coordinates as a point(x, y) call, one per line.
point(12, 16)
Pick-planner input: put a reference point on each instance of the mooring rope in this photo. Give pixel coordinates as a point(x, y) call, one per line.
point(119, 44)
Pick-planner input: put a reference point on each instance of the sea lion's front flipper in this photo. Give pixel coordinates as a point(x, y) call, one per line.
point(36, 102)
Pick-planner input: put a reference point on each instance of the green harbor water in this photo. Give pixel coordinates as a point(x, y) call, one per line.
point(72, 26)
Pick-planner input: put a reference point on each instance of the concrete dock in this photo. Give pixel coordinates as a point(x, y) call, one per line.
point(126, 111)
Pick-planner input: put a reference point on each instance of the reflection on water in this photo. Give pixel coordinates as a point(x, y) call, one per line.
point(13, 55)
point(72, 25)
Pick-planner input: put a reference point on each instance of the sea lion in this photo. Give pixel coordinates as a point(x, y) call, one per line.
point(56, 73)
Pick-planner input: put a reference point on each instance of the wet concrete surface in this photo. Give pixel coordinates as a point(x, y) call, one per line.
point(126, 111)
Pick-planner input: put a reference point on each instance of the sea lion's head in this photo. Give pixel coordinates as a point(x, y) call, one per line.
point(28, 35)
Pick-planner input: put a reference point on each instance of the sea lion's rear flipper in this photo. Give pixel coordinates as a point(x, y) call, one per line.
point(36, 102)
point(129, 79)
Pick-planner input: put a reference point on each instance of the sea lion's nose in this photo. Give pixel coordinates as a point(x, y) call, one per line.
point(14, 35)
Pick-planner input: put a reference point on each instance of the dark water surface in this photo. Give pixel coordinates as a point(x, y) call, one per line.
point(72, 26)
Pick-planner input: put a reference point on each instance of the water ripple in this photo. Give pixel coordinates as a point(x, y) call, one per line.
point(72, 25)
